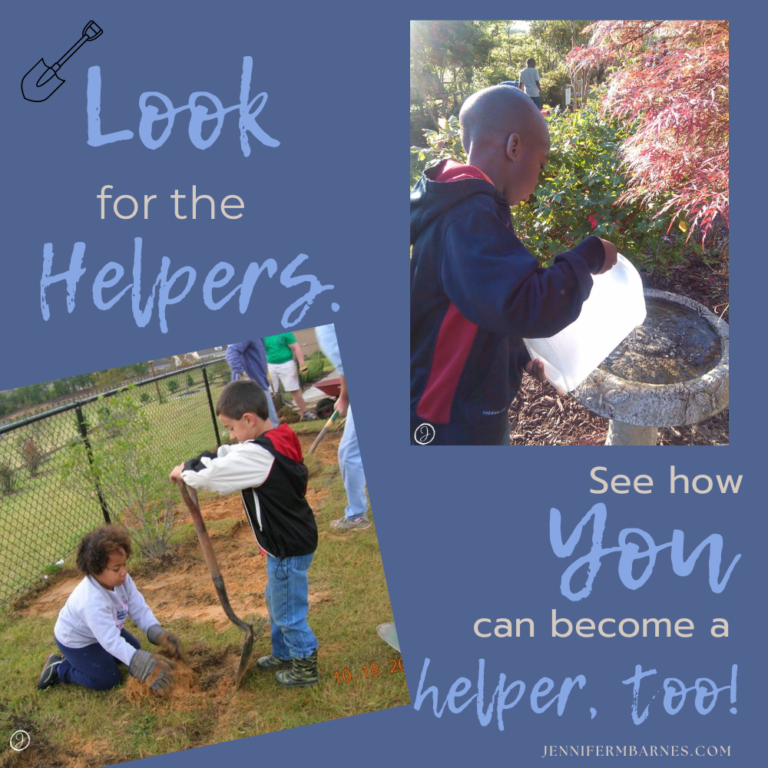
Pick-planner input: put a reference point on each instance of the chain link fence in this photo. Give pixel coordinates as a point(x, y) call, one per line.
point(50, 494)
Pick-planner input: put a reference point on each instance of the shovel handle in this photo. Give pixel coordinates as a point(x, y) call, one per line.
point(190, 498)
point(324, 430)
point(93, 27)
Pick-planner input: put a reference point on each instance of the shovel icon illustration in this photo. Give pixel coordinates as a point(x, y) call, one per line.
point(41, 82)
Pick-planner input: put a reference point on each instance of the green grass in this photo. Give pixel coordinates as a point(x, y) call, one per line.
point(65, 721)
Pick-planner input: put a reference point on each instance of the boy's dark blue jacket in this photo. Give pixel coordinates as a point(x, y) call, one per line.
point(476, 292)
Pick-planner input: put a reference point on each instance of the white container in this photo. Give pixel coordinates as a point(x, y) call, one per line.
point(615, 307)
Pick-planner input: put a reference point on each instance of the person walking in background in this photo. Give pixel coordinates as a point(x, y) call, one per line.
point(350, 461)
point(248, 360)
point(529, 82)
point(281, 350)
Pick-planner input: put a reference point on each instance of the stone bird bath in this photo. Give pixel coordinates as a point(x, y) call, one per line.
point(671, 370)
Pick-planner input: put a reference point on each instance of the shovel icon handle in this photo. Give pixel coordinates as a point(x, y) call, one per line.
point(41, 82)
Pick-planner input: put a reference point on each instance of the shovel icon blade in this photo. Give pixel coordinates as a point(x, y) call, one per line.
point(40, 83)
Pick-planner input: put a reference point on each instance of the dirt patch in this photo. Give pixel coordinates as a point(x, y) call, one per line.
point(50, 602)
point(327, 449)
point(222, 507)
point(77, 753)
point(138, 693)
point(206, 675)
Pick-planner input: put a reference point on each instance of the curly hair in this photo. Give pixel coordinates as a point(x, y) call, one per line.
point(95, 548)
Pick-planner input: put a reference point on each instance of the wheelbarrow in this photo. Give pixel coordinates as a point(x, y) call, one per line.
point(332, 388)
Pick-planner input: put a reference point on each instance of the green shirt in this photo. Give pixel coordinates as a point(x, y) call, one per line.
point(277, 348)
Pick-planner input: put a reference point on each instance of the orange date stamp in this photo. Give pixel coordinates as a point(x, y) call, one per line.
point(369, 671)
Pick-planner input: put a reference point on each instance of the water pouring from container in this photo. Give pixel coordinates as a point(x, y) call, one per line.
point(615, 307)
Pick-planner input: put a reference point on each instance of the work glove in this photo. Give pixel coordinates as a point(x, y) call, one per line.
point(168, 642)
point(154, 670)
point(243, 376)
point(303, 369)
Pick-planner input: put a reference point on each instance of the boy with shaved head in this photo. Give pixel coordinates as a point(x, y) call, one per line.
point(476, 291)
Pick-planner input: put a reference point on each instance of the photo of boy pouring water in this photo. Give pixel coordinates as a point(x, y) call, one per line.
point(582, 239)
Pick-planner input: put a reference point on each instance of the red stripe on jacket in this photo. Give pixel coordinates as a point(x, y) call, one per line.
point(284, 440)
point(454, 341)
point(453, 171)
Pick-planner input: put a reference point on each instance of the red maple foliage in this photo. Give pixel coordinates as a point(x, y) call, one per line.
point(672, 77)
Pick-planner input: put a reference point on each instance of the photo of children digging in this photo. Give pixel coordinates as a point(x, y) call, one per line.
point(159, 605)
point(569, 258)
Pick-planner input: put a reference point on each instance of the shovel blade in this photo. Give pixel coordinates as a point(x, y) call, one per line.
point(245, 657)
point(40, 83)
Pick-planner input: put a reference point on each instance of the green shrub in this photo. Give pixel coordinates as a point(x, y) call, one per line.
point(315, 365)
point(190, 380)
point(125, 464)
point(577, 191)
point(7, 478)
point(32, 455)
point(553, 85)
point(172, 385)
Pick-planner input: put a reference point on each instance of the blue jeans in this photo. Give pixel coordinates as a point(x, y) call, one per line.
point(288, 603)
point(92, 666)
point(536, 100)
point(351, 465)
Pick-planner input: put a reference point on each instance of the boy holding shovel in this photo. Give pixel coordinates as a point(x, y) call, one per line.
point(267, 467)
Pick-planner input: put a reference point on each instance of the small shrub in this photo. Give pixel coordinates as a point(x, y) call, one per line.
point(7, 478)
point(315, 365)
point(553, 85)
point(173, 385)
point(578, 191)
point(32, 455)
point(190, 380)
point(145, 398)
point(128, 469)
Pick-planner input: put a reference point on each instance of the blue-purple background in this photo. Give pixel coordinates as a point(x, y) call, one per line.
point(463, 533)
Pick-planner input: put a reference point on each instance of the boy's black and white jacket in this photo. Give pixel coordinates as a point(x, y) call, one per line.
point(270, 473)
point(476, 292)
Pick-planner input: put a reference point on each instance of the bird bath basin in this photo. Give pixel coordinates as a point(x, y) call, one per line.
point(671, 370)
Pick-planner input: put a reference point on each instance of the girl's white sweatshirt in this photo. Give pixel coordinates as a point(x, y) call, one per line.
point(93, 614)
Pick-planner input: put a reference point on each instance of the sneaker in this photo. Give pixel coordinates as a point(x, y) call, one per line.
point(271, 663)
point(351, 523)
point(308, 416)
point(49, 676)
point(303, 672)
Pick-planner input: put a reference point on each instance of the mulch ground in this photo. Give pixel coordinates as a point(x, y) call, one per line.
point(539, 416)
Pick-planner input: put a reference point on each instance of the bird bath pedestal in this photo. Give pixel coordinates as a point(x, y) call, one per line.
point(672, 370)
